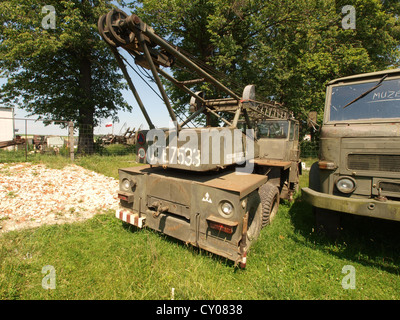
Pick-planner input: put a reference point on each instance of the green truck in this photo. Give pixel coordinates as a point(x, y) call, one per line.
point(213, 187)
point(358, 171)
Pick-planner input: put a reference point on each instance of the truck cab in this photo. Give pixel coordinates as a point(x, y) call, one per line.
point(278, 139)
point(358, 171)
point(279, 153)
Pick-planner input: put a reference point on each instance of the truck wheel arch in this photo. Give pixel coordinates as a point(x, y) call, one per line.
point(326, 221)
point(314, 182)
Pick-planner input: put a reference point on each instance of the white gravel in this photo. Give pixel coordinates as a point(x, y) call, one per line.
point(32, 195)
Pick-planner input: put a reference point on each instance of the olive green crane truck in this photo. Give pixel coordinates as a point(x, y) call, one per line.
point(211, 187)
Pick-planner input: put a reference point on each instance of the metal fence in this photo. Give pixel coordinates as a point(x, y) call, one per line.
point(24, 138)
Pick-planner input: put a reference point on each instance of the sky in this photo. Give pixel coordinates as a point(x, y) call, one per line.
point(134, 119)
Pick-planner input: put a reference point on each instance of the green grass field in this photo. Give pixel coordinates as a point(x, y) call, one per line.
point(104, 258)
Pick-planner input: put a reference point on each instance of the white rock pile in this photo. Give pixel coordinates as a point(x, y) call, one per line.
point(32, 195)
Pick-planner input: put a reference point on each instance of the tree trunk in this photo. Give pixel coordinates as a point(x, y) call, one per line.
point(86, 138)
point(86, 109)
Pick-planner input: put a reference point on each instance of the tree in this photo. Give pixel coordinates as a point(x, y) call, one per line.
point(288, 49)
point(313, 48)
point(63, 71)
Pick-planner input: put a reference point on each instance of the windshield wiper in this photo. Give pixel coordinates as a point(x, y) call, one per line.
point(368, 91)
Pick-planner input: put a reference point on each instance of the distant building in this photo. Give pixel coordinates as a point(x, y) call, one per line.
point(55, 142)
point(7, 124)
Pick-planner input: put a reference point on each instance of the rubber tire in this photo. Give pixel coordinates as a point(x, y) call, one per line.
point(269, 195)
point(254, 226)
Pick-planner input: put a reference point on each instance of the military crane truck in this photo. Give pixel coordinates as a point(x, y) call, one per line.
point(358, 171)
point(211, 187)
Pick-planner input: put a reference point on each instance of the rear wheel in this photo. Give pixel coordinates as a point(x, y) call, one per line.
point(254, 225)
point(269, 195)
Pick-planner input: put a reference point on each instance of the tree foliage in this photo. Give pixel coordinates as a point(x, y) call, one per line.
point(63, 73)
point(288, 49)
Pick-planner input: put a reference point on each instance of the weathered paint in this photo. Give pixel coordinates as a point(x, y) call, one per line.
point(388, 209)
point(182, 205)
point(375, 144)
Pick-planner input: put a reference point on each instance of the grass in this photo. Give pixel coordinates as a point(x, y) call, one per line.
point(104, 258)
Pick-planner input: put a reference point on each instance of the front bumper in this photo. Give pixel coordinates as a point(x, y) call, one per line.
point(388, 209)
point(130, 217)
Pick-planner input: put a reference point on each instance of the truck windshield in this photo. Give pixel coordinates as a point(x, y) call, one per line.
point(273, 129)
point(381, 103)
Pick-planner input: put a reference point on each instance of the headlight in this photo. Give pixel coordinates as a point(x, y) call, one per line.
point(346, 184)
point(226, 209)
point(126, 185)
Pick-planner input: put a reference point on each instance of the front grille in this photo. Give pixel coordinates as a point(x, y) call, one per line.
point(374, 162)
point(389, 187)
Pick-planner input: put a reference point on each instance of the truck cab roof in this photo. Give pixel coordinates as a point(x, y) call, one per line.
point(366, 76)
